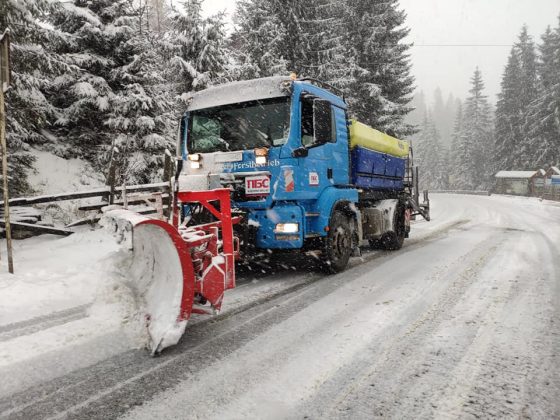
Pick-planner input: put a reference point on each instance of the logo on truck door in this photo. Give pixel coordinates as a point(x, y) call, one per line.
point(257, 185)
point(313, 178)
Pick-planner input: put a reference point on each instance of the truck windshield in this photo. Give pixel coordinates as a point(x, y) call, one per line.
point(241, 126)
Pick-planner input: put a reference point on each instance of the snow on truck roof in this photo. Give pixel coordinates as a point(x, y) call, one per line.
point(235, 92)
point(515, 174)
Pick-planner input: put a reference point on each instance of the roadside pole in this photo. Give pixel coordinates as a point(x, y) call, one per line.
point(4, 86)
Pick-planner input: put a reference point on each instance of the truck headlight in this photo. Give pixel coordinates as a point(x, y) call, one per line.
point(261, 155)
point(195, 160)
point(287, 228)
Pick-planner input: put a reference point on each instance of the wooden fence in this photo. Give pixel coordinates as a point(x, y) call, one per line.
point(107, 194)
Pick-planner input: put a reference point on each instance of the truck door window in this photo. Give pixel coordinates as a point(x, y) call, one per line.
point(309, 106)
point(322, 121)
point(307, 121)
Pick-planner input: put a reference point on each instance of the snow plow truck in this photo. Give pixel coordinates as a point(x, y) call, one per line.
point(267, 165)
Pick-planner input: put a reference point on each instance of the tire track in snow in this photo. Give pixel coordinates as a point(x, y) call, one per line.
point(382, 380)
point(30, 326)
point(120, 382)
point(480, 352)
point(519, 374)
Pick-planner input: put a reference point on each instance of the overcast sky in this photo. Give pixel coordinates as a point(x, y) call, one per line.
point(452, 37)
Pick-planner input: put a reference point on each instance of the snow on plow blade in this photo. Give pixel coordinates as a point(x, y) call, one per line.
point(177, 271)
point(161, 274)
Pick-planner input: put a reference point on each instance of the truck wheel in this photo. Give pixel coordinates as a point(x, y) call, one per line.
point(393, 241)
point(338, 244)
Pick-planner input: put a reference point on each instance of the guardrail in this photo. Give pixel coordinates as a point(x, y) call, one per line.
point(549, 192)
point(464, 192)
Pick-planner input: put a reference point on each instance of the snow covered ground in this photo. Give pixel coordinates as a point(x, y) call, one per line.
point(463, 321)
point(54, 174)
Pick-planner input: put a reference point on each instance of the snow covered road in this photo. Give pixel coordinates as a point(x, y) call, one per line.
point(463, 321)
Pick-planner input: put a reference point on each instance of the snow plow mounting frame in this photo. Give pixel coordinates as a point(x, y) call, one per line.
point(211, 278)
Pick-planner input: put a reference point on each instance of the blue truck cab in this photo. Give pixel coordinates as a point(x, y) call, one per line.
point(282, 147)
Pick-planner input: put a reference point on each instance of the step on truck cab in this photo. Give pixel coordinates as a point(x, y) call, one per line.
point(304, 176)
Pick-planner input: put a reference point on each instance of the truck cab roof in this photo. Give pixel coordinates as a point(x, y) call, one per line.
point(256, 89)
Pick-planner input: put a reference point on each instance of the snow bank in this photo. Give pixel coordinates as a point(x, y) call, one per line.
point(53, 274)
point(86, 269)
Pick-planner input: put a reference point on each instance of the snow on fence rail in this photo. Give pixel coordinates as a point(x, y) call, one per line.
point(98, 192)
point(108, 192)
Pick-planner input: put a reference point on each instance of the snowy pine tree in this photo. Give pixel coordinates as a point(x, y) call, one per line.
point(476, 143)
point(29, 111)
point(382, 86)
point(458, 151)
point(430, 157)
point(518, 90)
point(438, 110)
point(357, 46)
point(527, 110)
point(118, 100)
point(418, 103)
point(327, 57)
point(509, 116)
point(447, 122)
point(276, 37)
point(543, 114)
point(159, 12)
point(443, 115)
point(126, 95)
point(260, 41)
point(525, 47)
point(196, 49)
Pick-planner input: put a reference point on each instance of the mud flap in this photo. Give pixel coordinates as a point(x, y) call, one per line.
point(161, 275)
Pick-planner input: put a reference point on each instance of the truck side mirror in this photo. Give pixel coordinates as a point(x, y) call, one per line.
point(322, 124)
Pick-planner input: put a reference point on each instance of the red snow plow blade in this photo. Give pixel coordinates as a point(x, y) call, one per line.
point(177, 270)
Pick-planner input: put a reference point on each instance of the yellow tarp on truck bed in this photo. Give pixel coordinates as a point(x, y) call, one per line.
point(365, 136)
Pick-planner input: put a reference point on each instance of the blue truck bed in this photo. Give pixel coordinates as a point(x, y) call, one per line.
point(376, 171)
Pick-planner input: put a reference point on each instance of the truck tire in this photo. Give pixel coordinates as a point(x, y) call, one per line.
point(394, 240)
point(338, 243)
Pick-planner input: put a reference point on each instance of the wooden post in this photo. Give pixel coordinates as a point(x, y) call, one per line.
point(168, 177)
point(111, 180)
point(112, 175)
point(4, 86)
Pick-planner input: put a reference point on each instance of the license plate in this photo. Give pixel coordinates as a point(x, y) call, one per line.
point(257, 185)
point(228, 157)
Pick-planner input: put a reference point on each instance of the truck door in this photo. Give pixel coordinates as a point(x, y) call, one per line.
point(324, 136)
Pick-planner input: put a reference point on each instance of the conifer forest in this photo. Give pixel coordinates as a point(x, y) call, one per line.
point(279, 209)
point(90, 78)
